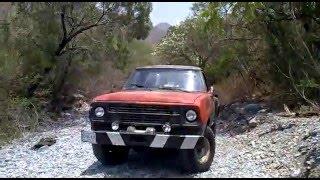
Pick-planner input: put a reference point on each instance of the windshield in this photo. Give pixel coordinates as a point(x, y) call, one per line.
point(167, 79)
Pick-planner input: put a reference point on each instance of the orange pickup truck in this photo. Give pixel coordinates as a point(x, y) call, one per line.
point(162, 106)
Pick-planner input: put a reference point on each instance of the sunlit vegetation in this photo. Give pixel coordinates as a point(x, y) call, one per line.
point(271, 48)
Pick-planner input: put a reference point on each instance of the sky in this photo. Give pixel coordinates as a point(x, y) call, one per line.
point(170, 12)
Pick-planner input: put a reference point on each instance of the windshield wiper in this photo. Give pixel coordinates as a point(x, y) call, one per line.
point(140, 86)
point(172, 88)
point(137, 85)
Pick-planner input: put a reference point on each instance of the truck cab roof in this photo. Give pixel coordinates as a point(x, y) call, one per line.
point(170, 67)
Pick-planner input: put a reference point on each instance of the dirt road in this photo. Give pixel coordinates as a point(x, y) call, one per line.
point(260, 152)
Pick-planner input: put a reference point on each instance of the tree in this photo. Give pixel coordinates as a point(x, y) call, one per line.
point(188, 43)
point(276, 45)
point(57, 33)
point(276, 41)
point(211, 40)
point(292, 33)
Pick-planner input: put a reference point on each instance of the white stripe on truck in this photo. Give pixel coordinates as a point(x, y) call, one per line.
point(116, 138)
point(189, 142)
point(159, 140)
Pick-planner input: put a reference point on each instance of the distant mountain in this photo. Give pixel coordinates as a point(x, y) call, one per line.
point(157, 33)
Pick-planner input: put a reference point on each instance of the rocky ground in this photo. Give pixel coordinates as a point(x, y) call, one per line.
point(251, 141)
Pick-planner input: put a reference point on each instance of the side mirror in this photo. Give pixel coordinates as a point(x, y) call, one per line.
point(211, 90)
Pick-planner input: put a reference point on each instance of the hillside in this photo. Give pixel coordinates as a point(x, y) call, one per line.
point(157, 33)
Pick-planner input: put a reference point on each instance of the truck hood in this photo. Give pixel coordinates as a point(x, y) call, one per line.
point(150, 96)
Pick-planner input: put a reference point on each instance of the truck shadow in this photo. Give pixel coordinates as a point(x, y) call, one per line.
point(144, 164)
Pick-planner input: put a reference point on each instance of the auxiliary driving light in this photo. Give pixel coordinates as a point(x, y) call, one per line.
point(115, 125)
point(166, 127)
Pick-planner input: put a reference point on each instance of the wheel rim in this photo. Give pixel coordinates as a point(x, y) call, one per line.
point(202, 151)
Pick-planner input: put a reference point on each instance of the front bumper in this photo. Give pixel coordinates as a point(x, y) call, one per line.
point(135, 139)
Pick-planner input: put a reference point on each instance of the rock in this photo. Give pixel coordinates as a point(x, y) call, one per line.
point(235, 105)
point(297, 155)
point(296, 173)
point(252, 108)
point(65, 114)
point(239, 110)
point(309, 147)
point(47, 141)
point(314, 162)
point(262, 110)
point(253, 144)
point(270, 114)
point(78, 96)
point(253, 122)
point(81, 106)
point(309, 162)
point(310, 134)
point(315, 172)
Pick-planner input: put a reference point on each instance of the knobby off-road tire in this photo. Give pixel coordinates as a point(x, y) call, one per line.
point(110, 155)
point(194, 161)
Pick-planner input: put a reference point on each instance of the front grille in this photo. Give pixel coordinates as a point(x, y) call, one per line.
point(143, 113)
point(137, 108)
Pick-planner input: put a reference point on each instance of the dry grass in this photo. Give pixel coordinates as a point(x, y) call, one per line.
point(19, 115)
point(100, 82)
point(91, 84)
point(235, 87)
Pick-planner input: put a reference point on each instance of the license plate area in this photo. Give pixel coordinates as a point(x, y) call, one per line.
point(138, 139)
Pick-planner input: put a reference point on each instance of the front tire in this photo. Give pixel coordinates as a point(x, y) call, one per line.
point(110, 155)
point(200, 158)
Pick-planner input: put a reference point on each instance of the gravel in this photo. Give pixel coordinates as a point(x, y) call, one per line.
point(258, 152)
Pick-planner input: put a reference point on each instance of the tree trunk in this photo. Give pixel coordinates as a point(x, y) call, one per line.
point(56, 104)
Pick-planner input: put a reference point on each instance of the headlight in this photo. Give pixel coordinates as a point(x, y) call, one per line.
point(191, 115)
point(99, 111)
